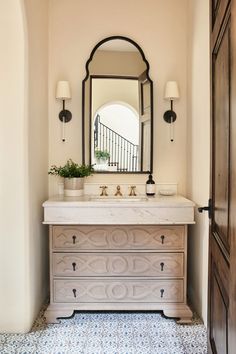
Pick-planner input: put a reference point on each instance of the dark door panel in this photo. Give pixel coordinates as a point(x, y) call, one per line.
point(222, 239)
point(221, 121)
point(219, 317)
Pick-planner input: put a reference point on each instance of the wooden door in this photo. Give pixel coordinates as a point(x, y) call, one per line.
point(222, 270)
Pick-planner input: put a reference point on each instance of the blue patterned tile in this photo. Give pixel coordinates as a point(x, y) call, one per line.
point(109, 333)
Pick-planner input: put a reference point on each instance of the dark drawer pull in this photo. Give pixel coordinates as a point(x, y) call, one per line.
point(74, 265)
point(74, 238)
point(162, 239)
point(74, 292)
point(162, 266)
point(162, 292)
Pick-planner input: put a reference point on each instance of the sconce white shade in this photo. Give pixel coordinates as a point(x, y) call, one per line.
point(63, 90)
point(171, 90)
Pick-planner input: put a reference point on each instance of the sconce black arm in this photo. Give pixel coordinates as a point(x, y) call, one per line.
point(65, 115)
point(170, 116)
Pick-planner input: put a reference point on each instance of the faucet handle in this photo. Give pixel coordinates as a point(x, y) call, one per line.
point(118, 192)
point(132, 191)
point(104, 191)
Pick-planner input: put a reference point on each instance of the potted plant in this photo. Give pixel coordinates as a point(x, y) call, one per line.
point(101, 157)
point(73, 175)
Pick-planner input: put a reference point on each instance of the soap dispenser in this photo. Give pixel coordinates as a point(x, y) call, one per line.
point(150, 186)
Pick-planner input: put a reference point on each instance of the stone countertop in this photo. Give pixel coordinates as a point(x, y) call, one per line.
point(142, 201)
point(86, 211)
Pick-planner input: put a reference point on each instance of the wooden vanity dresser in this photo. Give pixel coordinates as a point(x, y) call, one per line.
point(118, 267)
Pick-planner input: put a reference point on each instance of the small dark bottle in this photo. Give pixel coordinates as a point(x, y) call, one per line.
point(150, 186)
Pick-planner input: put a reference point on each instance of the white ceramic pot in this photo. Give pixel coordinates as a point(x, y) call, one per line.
point(73, 187)
point(101, 165)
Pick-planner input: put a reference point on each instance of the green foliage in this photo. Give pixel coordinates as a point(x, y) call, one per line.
point(102, 155)
point(71, 169)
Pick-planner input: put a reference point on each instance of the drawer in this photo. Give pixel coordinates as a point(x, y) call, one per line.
point(114, 264)
point(110, 237)
point(119, 290)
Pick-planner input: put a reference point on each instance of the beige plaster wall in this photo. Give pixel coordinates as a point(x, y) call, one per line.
point(198, 135)
point(117, 63)
point(24, 155)
point(37, 30)
point(14, 166)
point(105, 91)
point(160, 28)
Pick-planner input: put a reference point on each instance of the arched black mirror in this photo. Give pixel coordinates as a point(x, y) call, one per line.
point(118, 108)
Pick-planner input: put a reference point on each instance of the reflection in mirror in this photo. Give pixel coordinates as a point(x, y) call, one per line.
point(117, 108)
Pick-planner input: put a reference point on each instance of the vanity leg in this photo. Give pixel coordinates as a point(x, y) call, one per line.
point(185, 320)
point(53, 314)
point(183, 312)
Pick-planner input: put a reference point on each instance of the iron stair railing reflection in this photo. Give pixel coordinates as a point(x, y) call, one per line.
point(123, 153)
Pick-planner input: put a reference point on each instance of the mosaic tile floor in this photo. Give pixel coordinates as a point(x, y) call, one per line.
point(108, 333)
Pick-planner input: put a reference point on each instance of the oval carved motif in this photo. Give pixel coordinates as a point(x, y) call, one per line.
point(119, 238)
point(118, 265)
point(117, 291)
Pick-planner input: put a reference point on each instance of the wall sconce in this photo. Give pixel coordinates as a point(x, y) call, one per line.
point(171, 94)
point(63, 93)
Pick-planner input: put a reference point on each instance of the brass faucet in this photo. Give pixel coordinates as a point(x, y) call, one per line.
point(132, 191)
point(104, 191)
point(118, 192)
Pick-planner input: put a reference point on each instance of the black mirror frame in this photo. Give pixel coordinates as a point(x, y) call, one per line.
point(83, 102)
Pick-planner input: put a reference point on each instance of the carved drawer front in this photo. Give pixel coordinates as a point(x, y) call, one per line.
point(118, 237)
point(113, 264)
point(122, 290)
